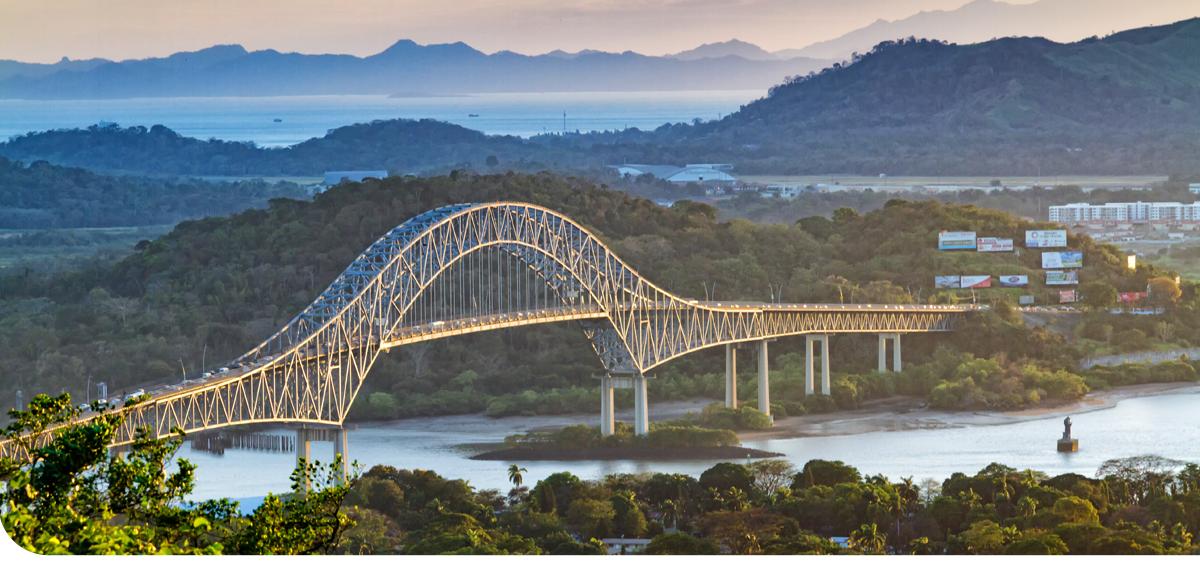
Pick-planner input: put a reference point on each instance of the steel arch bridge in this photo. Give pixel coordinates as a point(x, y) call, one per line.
point(477, 267)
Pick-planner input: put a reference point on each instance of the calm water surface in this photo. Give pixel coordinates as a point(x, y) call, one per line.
point(305, 117)
point(1166, 425)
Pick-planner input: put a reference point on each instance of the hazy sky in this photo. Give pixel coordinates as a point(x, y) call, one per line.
point(46, 30)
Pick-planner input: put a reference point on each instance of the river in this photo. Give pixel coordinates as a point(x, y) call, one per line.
point(1165, 424)
point(304, 117)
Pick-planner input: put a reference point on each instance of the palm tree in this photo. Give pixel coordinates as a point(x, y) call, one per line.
point(1026, 507)
point(1028, 479)
point(970, 498)
point(735, 500)
point(435, 505)
point(514, 475)
point(868, 539)
point(671, 511)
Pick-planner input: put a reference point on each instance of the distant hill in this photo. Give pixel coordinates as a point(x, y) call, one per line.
point(1125, 104)
point(445, 68)
point(983, 20)
point(10, 68)
point(734, 47)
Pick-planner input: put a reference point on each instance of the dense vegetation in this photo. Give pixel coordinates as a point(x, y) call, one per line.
point(71, 496)
point(661, 436)
point(400, 145)
point(42, 196)
point(1124, 104)
point(213, 288)
point(1142, 505)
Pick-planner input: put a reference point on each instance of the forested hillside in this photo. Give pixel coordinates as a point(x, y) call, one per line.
point(397, 145)
point(45, 196)
point(1125, 104)
point(213, 288)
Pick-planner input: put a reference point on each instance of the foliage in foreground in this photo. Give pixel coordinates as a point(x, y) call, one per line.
point(69, 496)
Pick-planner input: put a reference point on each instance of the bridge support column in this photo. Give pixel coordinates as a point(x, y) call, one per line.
point(764, 389)
point(810, 385)
point(304, 450)
point(883, 339)
point(731, 376)
point(607, 424)
point(641, 414)
point(341, 446)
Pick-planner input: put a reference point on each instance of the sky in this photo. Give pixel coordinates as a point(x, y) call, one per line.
point(45, 31)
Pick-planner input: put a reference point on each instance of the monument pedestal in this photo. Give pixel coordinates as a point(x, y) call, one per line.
point(1068, 445)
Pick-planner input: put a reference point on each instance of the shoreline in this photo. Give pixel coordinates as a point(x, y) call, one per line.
point(559, 455)
point(910, 413)
point(890, 414)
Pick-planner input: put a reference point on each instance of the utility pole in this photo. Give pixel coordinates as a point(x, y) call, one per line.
point(89, 388)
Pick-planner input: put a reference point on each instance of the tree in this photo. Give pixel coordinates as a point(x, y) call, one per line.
point(1099, 295)
point(725, 475)
point(679, 543)
point(1164, 292)
point(492, 161)
point(868, 539)
point(1165, 331)
point(844, 215)
point(825, 473)
point(770, 476)
point(742, 533)
point(69, 496)
point(514, 475)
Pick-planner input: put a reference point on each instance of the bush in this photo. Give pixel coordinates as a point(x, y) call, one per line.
point(845, 395)
point(817, 404)
point(794, 408)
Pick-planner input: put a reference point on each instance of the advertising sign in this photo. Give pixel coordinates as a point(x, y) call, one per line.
point(1066, 296)
point(956, 241)
point(1014, 281)
point(950, 282)
point(994, 244)
point(1131, 297)
point(1062, 278)
point(1056, 260)
point(1026, 300)
point(976, 282)
point(1045, 238)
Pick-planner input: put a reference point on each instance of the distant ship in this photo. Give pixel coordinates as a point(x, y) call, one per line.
point(472, 115)
point(279, 120)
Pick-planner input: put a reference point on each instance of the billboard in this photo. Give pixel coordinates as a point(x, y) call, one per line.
point(1026, 300)
point(1014, 281)
point(950, 282)
point(1062, 278)
point(976, 282)
point(1066, 296)
point(994, 244)
point(1045, 238)
point(956, 241)
point(1131, 297)
point(1056, 260)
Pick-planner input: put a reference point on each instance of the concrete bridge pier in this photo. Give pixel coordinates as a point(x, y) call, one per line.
point(341, 445)
point(641, 413)
point(883, 339)
point(809, 381)
point(731, 375)
point(764, 388)
point(607, 424)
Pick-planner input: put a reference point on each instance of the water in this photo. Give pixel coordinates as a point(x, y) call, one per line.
point(1165, 425)
point(305, 117)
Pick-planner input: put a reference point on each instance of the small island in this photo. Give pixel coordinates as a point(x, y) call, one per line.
point(664, 442)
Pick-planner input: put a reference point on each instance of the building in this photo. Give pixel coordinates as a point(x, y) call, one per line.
point(699, 173)
point(337, 177)
point(1125, 212)
point(1194, 187)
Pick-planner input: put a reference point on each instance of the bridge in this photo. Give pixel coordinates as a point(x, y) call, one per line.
point(478, 267)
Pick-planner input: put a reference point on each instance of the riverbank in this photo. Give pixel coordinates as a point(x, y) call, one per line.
point(910, 413)
point(556, 454)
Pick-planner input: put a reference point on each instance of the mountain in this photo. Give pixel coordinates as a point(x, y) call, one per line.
point(10, 68)
point(982, 20)
point(734, 47)
point(222, 71)
point(1125, 104)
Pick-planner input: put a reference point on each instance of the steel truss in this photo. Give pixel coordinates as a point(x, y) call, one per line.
point(436, 276)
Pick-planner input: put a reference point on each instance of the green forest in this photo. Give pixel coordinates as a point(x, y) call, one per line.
point(79, 499)
point(212, 288)
point(45, 196)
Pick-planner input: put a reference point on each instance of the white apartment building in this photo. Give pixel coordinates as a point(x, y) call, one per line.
point(1124, 212)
